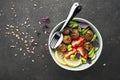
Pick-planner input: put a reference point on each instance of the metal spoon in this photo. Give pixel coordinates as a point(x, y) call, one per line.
point(57, 37)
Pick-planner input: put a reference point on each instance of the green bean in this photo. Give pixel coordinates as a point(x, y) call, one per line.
point(94, 37)
point(85, 31)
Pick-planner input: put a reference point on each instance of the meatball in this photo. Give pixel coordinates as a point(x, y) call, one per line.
point(66, 31)
point(67, 39)
point(90, 32)
point(62, 47)
point(75, 34)
point(88, 46)
point(89, 35)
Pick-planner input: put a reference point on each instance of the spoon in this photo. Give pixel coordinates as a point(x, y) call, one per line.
point(57, 37)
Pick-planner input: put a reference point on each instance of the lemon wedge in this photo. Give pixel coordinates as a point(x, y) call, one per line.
point(59, 57)
point(73, 63)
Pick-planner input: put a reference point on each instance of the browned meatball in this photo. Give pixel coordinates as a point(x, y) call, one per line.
point(89, 35)
point(67, 39)
point(66, 31)
point(75, 34)
point(62, 47)
point(90, 32)
point(88, 46)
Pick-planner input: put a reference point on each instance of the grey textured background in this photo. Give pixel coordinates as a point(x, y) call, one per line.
point(14, 65)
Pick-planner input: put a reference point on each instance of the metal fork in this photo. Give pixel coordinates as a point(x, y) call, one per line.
point(57, 37)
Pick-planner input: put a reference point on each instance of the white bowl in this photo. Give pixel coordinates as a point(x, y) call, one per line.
point(83, 66)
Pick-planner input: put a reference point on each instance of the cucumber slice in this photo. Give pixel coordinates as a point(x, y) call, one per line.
point(96, 49)
point(91, 55)
point(79, 29)
point(73, 24)
point(91, 51)
point(94, 56)
point(83, 60)
point(69, 49)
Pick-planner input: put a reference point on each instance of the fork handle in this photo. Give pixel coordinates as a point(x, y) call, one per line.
point(76, 8)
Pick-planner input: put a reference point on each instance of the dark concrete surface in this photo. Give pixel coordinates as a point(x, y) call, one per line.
point(18, 62)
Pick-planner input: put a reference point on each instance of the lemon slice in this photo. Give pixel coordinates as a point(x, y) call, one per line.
point(73, 63)
point(59, 57)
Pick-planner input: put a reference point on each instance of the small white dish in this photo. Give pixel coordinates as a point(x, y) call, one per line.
point(83, 66)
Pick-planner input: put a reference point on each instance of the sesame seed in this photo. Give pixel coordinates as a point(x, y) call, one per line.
point(26, 45)
point(8, 25)
point(33, 60)
point(23, 33)
point(35, 5)
point(104, 64)
point(15, 55)
point(32, 52)
point(15, 15)
point(39, 22)
point(43, 56)
point(7, 28)
point(26, 36)
point(25, 41)
point(11, 26)
point(27, 48)
point(22, 39)
point(11, 8)
point(12, 46)
point(25, 22)
point(27, 18)
point(24, 54)
point(16, 35)
point(17, 29)
point(20, 49)
point(28, 51)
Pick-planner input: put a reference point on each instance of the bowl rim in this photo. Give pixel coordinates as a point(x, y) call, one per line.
point(98, 53)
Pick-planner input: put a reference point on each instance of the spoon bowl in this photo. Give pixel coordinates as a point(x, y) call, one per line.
point(84, 66)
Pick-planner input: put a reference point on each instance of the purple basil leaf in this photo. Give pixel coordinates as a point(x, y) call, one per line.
point(85, 51)
point(89, 60)
point(83, 25)
point(95, 43)
point(77, 55)
point(45, 27)
point(44, 19)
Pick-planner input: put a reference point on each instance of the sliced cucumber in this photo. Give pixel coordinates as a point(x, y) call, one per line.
point(69, 49)
point(94, 56)
point(83, 60)
point(73, 24)
point(96, 49)
point(79, 29)
point(72, 57)
point(91, 51)
point(91, 55)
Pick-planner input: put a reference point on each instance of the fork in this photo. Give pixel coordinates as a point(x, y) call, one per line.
point(57, 37)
